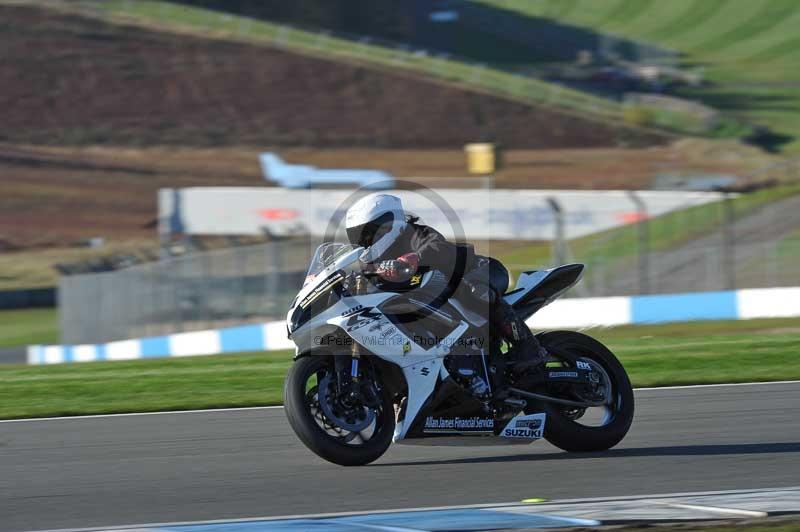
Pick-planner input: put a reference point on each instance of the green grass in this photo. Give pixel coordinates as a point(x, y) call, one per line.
point(755, 38)
point(789, 247)
point(749, 50)
point(657, 355)
point(28, 326)
point(34, 268)
point(707, 352)
point(143, 385)
point(665, 232)
point(776, 265)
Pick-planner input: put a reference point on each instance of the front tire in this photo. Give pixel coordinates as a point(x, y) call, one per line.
point(306, 424)
point(561, 429)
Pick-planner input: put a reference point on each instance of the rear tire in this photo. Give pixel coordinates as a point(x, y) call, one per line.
point(569, 435)
point(313, 436)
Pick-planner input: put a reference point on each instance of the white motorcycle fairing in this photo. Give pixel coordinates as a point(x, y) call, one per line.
point(311, 322)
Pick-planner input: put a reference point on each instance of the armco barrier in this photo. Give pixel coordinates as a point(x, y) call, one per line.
point(28, 298)
point(259, 337)
point(564, 313)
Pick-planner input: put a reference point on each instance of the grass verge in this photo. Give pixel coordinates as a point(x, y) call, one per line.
point(749, 55)
point(658, 355)
point(247, 379)
point(28, 326)
point(35, 268)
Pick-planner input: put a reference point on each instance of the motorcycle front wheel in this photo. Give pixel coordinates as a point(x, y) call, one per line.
point(340, 430)
point(590, 429)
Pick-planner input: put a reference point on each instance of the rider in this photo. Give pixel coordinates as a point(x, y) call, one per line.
point(399, 246)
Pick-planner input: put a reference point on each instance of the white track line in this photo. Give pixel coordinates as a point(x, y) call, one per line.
point(718, 510)
point(212, 410)
point(689, 386)
point(658, 496)
point(432, 508)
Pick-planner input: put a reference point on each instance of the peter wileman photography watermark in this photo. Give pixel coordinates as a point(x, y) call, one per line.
point(424, 341)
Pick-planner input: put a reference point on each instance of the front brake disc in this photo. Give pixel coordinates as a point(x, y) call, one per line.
point(363, 416)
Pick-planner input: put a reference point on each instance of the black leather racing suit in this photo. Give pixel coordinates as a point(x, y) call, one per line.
point(480, 281)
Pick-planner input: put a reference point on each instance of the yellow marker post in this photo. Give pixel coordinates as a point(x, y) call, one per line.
point(480, 158)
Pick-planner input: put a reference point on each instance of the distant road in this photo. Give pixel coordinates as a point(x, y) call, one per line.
point(13, 355)
point(102, 471)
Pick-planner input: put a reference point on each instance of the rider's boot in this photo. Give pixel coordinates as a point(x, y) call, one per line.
point(526, 351)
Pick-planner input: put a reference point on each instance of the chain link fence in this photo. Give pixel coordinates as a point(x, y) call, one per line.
point(731, 244)
point(695, 268)
point(199, 291)
point(735, 243)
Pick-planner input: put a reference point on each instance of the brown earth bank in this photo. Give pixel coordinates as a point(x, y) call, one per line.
point(72, 80)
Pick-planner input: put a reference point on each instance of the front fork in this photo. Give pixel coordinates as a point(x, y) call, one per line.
point(346, 371)
point(352, 388)
point(344, 379)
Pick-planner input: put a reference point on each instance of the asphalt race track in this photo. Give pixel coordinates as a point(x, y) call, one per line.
point(124, 470)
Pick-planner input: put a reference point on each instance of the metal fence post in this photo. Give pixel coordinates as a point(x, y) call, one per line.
point(643, 249)
point(240, 309)
point(729, 242)
point(276, 259)
point(559, 238)
point(178, 280)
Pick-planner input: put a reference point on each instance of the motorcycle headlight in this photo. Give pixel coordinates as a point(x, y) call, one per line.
point(299, 317)
point(323, 296)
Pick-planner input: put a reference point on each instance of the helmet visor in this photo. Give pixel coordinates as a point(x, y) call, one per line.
point(365, 235)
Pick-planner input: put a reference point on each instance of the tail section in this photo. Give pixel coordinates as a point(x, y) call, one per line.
point(535, 289)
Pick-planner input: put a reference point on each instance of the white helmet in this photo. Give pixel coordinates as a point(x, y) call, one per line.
point(375, 222)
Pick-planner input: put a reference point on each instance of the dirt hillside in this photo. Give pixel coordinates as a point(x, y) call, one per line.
point(78, 81)
point(50, 196)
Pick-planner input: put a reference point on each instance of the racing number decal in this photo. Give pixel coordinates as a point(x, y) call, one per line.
point(363, 318)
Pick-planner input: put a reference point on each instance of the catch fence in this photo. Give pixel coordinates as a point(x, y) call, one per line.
point(744, 241)
point(204, 290)
point(741, 242)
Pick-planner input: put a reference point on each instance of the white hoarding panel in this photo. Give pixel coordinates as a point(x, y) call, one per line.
point(474, 213)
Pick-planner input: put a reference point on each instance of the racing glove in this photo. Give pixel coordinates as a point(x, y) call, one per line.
point(399, 270)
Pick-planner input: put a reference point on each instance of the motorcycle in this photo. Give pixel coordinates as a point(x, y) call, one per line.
point(365, 375)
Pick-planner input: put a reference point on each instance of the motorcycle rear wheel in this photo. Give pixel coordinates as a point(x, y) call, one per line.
point(310, 424)
point(562, 428)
